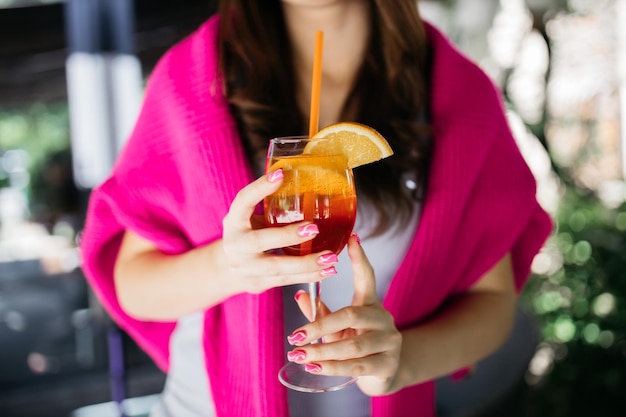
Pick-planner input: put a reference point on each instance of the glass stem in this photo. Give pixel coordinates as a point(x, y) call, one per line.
point(314, 293)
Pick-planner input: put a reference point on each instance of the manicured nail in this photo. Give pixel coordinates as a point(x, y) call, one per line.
point(328, 272)
point(356, 237)
point(327, 259)
point(276, 175)
point(296, 355)
point(313, 368)
point(299, 294)
point(308, 230)
point(297, 337)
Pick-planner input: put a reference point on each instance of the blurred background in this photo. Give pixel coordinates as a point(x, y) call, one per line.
point(71, 79)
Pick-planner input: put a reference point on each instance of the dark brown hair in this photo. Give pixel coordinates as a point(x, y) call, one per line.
point(389, 94)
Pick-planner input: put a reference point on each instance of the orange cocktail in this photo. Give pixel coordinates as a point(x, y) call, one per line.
point(319, 188)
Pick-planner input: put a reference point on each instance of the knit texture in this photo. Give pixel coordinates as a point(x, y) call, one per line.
point(183, 164)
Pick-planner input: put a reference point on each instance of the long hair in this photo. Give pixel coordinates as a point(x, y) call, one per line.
point(389, 94)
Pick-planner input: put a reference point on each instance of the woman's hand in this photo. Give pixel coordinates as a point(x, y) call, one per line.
point(249, 247)
point(152, 285)
point(360, 340)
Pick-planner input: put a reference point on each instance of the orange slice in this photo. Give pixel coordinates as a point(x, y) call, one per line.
point(322, 174)
point(361, 144)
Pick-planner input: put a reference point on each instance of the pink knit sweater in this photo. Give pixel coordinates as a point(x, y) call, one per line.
point(184, 163)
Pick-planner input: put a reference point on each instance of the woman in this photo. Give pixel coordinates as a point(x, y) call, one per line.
point(175, 252)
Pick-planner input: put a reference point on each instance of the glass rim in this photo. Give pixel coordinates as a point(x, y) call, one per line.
point(294, 139)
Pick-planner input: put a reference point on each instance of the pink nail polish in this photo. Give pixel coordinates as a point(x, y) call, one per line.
point(313, 368)
point(308, 230)
point(299, 294)
point(328, 271)
point(356, 237)
point(297, 337)
point(296, 355)
point(327, 259)
point(276, 175)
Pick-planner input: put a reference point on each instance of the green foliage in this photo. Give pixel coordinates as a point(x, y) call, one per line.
point(581, 305)
point(39, 130)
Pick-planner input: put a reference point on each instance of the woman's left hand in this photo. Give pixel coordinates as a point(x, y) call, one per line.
point(360, 340)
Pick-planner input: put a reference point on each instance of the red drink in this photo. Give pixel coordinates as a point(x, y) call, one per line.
point(334, 216)
point(316, 188)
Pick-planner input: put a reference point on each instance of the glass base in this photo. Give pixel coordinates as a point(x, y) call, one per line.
point(293, 376)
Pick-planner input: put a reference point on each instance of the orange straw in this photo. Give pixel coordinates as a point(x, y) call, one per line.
point(317, 84)
point(309, 197)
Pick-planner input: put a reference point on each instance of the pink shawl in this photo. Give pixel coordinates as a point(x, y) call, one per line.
point(183, 164)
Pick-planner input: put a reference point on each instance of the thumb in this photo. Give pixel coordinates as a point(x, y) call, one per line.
point(364, 279)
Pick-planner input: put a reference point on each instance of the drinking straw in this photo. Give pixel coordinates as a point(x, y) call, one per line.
point(309, 197)
point(317, 84)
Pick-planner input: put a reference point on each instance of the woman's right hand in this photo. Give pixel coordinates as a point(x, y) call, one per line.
point(249, 246)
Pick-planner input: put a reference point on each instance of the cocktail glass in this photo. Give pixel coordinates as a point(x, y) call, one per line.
point(319, 188)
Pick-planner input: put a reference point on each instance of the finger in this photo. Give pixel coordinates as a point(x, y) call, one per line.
point(360, 346)
point(303, 299)
point(381, 366)
point(353, 317)
point(285, 270)
point(364, 279)
point(268, 238)
point(250, 196)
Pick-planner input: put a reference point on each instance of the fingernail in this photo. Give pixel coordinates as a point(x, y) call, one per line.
point(328, 271)
point(313, 368)
point(356, 237)
point(299, 294)
point(327, 259)
point(308, 230)
point(297, 337)
point(276, 175)
point(296, 355)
